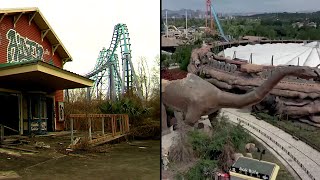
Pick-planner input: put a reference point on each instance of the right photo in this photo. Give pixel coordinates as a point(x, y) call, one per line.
point(240, 90)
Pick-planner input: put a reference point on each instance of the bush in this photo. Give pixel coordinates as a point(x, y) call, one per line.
point(182, 55)
point(128, 104)
point(149, 129)
point(204, 169)
point(212, 147)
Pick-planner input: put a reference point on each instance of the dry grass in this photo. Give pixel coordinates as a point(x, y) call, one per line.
point(226, 158)
point(182, 151)
point(84, 144)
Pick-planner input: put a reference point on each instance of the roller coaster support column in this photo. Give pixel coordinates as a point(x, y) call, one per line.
point(88, 94)
point(112, 86)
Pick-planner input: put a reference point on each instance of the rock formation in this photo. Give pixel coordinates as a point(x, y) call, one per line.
point(195, 97)
point(294, 96)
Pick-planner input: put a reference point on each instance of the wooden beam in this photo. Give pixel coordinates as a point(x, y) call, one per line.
point(102, 124)
point(31, 16)
point(64, 60)
point(44, 33)
point(71, 127)
point(54, 48)
point(2, 16)
point(16, 19)
point(90, 130)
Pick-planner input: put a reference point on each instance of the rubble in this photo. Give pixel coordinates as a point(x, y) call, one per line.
point(41, 145)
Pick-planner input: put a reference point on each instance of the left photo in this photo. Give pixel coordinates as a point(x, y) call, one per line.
point(79, 90)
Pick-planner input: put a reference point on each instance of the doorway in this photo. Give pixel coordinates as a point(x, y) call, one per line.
point(50, 114)
point(9, 113)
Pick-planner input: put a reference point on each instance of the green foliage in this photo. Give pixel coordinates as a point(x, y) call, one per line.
point(223, 131)
point(204, 169)
point(182, 56)
point(129, 104)
point(271, 25)
point(166, 60)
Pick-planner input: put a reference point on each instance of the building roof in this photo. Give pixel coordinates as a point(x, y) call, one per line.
point(39, 76)
point(254, 166)
point(37, 17)
point(283, 54)
point(254, 38)
point(170, 42)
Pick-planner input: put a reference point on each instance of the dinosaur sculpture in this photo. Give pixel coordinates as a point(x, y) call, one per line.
point(195, 97)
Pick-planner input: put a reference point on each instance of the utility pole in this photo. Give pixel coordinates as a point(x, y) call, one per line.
point(167, 23)
point(186, 23)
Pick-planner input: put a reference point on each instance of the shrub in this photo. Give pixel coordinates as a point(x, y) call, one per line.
point(204, 169)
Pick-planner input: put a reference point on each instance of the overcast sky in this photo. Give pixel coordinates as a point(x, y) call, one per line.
point(227, 6)
point(84, 27)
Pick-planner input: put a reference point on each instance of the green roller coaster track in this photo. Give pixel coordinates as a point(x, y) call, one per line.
point(108, 81)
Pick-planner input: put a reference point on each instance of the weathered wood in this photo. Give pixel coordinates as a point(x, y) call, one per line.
point(71, 126)
point(102, 124)
point(90, 129)
point(120, 124)
point(112, 126)
point(20, 149)
point(76, 140)
point(95, 115)
point(100, 140)
point(112, 120)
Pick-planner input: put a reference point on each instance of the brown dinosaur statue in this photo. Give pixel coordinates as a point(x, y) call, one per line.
point(195, 97)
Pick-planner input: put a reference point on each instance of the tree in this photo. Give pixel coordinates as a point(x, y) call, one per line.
point(143, 74)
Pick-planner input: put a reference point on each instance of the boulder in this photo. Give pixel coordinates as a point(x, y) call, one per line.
point(237, 155)
point(204, 125)
point(250, 147)
point(249, 155)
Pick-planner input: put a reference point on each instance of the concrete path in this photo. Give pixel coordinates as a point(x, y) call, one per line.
point(303, 159)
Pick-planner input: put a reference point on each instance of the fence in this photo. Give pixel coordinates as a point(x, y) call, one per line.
point(111, 126)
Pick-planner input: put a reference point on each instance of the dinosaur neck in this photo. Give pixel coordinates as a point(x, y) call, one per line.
point(229, 100)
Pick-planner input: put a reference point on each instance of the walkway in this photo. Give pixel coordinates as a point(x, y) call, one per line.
point(303, 159)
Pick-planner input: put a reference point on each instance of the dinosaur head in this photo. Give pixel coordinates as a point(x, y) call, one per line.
point(307, 72)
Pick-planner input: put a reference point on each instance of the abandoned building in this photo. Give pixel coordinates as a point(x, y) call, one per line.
point(32, 78)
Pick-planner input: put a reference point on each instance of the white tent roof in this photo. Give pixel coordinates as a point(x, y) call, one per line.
point(283, 54)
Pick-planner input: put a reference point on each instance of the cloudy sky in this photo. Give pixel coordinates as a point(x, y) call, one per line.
point(227, 6)
point(84, 27)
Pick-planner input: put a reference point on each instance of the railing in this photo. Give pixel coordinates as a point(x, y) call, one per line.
point(2, 132)
point(111, 126)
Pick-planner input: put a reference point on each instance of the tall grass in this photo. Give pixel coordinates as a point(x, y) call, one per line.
point(216, 151)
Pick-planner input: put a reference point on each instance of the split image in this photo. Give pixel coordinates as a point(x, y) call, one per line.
point(79, 90)
point(240, 85)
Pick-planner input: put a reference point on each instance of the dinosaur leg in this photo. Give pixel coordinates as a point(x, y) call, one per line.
point(164, 122)
point(192, 116)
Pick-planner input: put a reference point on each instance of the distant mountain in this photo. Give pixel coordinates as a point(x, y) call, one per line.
point(182, 13)
point(286, 15)
point(201, 14)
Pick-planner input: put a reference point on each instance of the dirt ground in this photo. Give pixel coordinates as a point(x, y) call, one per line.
point(133, 160)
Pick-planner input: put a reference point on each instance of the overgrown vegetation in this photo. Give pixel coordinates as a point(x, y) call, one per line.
point(181, 55)
point(215, 152)
point(144, 113)
point(205, 169)
point(211, 147)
